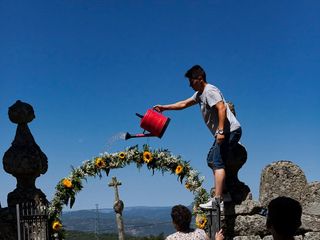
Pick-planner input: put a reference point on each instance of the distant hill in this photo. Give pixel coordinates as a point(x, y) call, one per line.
point(76, 235)
point(138, 221)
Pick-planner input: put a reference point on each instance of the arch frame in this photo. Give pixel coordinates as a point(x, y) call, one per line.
point(155, 160)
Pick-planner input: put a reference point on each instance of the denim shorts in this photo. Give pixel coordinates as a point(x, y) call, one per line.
point(218, 153)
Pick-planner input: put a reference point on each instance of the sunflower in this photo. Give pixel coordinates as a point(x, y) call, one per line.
point(179, 169)
point(122, 155)
point(100, 163)
point(187, 186)
point(56, 225)
point(201, 221)
point(147, 157)
point(67, 183)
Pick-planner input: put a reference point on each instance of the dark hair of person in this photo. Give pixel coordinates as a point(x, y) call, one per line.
point(195, 72)
point(284, 215)
point(181, 217)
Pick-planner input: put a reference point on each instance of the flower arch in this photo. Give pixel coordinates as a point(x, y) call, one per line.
point(159, 159)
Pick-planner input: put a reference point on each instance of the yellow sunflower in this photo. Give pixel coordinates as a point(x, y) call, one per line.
point(100, 163)
point(147, 157)
point(56, 225)
point(201, 221)
point(122, 155)
point(187, 186)
point(67, 183)
point(179, 169)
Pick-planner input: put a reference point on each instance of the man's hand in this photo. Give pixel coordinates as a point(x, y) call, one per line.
point(158, 108)
point(219, 138)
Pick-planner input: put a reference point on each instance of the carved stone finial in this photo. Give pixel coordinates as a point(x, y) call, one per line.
point(21, 112)
point(24, 159)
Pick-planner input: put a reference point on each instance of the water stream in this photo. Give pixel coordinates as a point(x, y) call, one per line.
point(115, 138)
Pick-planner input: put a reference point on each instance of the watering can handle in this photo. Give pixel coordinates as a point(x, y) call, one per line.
point(139, 115)
point(157, 111)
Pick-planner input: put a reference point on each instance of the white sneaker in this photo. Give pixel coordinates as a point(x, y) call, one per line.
point(207, 205)
point(210, 203)
point(221, 207)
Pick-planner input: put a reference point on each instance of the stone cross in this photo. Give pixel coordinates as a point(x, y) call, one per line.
point(118, 207)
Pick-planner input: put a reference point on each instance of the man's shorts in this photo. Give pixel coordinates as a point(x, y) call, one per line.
point(218, 153)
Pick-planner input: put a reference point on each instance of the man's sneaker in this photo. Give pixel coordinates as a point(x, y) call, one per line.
point(209, 205)
point(221, 207)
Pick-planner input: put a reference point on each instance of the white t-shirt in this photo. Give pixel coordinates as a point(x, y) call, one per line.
point(210, 96)
point(197, 234)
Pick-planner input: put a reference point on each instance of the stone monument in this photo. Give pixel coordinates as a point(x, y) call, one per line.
point(26, 162)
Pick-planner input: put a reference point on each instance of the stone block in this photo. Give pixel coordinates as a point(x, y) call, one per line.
point(312, 236)
point(311, 199)
point(282, 178)
point(247, 225)
point(269, 237)
point(247, 238)
point(310, 223)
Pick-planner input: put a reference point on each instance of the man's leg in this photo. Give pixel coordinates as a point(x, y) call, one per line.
point(215, 162)
point(219, 177)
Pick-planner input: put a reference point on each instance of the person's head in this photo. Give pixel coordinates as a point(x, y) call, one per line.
point(181, 217)
point(284, 217)
point(197, 77)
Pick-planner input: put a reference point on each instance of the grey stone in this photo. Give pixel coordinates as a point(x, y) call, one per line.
point(269, 237)
point(311, 199)
point(247, 207)
point(247, 238)
point(312, 236)
point(298, 237)
point(246, 225)
point(282, 178)
point(310, 223)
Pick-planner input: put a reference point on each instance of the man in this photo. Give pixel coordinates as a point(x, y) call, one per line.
point(221, 122)
point(284, 218)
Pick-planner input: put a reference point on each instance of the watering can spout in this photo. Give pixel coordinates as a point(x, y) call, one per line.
point(128, 135)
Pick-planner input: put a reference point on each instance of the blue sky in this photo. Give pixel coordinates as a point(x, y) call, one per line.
point(88, 66)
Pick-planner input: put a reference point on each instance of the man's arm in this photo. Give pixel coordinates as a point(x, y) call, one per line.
point(175, 106)
point(222, 112)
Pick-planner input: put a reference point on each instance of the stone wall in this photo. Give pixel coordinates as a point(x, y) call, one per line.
point(244, 221)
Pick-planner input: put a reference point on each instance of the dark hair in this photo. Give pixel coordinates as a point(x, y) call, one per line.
point(284, 215)
point(195, 72)
point(181, 217)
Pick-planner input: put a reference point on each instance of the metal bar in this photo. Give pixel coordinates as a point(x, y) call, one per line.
point(18, 221)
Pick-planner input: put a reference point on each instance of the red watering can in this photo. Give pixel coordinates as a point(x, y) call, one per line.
point(153, 122)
